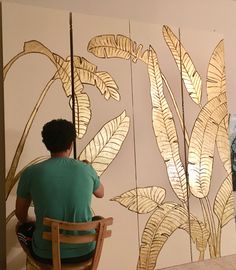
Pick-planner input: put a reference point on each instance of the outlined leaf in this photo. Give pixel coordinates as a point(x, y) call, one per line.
point(165, 131)
point(190, 76)
point(64, 73)
point(202, 144)
point(104, 147)
point(216, 79)
point(224, 202)
point(199, 234)
point(88, 74)
point(82, 113)
point(119, 46)
point(141, 200)
point(223, 146)
point(160, 226)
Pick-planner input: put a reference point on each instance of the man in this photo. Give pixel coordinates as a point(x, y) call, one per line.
point(60, 188)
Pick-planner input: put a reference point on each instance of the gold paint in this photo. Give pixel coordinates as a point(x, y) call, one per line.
point(142, 200)
point(104, 147)
point(202, 145)
point(191, 77)
point(216, 79)
point(210, 125)
point(119, 46)
point(84, 73)
point(165, 131)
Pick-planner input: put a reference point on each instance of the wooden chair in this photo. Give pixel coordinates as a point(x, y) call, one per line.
point(101, 232)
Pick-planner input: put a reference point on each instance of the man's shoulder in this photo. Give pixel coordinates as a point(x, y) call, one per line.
point(33, 167)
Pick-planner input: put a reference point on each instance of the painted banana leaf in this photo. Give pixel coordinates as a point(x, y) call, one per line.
point(190, 75)
point(88, 74)
point(141, 200)
point(119, 46)
point(216, 79)
point(223, 146)
point(104, 147)
point(198, 233)
point(165, 131)
point(160, 226)
point(224, 202)
point(84, 73)
point(202, 144)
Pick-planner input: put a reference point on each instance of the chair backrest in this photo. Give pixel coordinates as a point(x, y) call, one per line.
point(57, 237)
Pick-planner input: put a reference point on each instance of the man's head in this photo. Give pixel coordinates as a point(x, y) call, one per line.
point(58, 135)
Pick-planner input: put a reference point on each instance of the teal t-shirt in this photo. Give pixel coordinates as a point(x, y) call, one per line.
point(61, 188)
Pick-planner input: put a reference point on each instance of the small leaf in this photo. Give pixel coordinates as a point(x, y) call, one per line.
point(111, 46)
point(199, 233)
point(165, 131)
point(191, 77)
point(82, 113)
point(104, 147)
point(202, 144)
point(224, 202)
point(160, 226)
point(216, 79)
point(141, 200)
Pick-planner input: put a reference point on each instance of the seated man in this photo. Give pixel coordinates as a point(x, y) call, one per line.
point(60, 188)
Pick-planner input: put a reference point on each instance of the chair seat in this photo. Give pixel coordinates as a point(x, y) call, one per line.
point(33, 265)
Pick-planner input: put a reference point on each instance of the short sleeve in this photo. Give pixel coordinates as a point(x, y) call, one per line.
point(96, 180)
point(23, 189)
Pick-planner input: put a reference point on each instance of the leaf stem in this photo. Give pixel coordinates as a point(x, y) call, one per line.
point(21, 144)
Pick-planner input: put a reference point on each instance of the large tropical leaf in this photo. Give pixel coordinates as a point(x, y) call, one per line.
point(222, 141)
point(64, 73)
point(84, 73)
point(104, 147)
point(224, 202)
point(202, 143)
point(198, 232)
point(160, 226)
point(141, 200)
point(216, 80)
point(165, 131)
point(88, 74)
point(111, 46)
point(191, 77)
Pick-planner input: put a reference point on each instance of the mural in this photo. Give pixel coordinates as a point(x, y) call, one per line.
point(104, 147)
point(210, 130)
point(188, 152)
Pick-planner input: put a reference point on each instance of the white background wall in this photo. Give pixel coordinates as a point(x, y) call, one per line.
point(213, 16)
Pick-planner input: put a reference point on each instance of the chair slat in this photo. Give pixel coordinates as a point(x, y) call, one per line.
point(76, 239)
point(69, 226)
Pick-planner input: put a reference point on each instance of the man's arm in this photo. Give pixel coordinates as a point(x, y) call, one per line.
point(22, 207)
point(99, 192)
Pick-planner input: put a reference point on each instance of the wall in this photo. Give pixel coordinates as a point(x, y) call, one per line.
point(56, 22)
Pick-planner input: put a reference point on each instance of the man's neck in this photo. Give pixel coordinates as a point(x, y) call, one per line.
point(60, 154)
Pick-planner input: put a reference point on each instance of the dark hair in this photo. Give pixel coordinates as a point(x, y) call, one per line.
point(58, 135)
